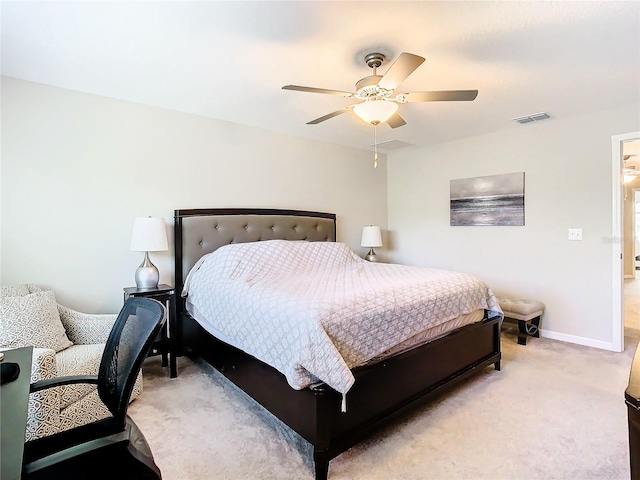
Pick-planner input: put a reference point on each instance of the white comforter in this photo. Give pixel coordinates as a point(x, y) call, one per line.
point(313, 310)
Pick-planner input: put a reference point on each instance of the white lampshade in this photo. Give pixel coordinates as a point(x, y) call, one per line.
point(375, 111)
point(149, 235)
point(371, 237)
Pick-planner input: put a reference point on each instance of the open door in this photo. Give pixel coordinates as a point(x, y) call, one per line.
point(617, 237)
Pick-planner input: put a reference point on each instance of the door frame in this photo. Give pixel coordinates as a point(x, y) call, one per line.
point(617, 239)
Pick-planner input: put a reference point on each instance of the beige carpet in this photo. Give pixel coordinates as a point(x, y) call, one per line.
point(555, 411)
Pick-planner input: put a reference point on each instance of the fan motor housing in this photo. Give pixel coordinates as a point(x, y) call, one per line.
point(368, 85)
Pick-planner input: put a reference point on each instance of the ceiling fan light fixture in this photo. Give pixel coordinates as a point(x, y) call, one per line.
point(375, 111)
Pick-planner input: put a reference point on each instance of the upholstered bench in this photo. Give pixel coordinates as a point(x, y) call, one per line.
point(526, 312)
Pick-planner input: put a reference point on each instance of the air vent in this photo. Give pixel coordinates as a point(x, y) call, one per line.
point(539, 116)
point(393, 145)
point(531, 118)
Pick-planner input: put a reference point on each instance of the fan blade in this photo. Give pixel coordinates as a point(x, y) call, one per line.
point(331, 115)
point(317, 90)
point(399, 70)
point(439, 96)
point(396, 121)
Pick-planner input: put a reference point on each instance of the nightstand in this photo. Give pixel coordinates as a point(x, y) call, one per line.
point(165, 342)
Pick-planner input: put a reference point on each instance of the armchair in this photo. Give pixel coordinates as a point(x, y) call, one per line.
point(61, 408)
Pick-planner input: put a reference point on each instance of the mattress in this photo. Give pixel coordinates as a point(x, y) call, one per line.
point(315, 310)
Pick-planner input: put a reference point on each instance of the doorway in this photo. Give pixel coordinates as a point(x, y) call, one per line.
point(621, 146)
point(631, 264)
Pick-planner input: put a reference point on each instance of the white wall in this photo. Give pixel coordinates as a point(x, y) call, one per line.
point(77, 169)
point(567, 165)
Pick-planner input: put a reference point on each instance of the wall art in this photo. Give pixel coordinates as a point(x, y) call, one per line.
point(491, 200)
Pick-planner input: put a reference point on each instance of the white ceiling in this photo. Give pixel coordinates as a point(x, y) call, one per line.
point(229, 60)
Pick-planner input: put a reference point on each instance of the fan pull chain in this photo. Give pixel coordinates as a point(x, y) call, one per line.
point(375, 146)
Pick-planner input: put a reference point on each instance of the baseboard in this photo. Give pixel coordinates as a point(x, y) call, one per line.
point(587, 342)
point(629, 276)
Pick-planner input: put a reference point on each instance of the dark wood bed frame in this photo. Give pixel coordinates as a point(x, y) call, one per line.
point(381, 392)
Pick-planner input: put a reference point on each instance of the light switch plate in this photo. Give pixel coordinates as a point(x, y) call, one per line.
point(575, 234)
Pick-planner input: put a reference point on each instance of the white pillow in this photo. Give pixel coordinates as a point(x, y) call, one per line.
point(32, 319)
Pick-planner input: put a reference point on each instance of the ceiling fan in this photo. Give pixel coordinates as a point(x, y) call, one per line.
point(377, 101)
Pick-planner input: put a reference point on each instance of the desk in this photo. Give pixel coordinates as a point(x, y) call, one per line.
point(14, 401)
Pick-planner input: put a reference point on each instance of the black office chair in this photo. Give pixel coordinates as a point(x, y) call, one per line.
point(112, 447)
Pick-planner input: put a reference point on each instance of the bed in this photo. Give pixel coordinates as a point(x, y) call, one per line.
point(372, 392)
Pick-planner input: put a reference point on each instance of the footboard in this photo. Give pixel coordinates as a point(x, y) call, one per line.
point(390, 388)
point(381, 392)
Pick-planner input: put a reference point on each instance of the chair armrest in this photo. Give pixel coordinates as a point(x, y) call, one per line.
point(75, 452)
point(43, 364)
point(86, 328)
point(59, 381)
point(44, 407)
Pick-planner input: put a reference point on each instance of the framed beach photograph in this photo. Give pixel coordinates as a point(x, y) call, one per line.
point(491, 200)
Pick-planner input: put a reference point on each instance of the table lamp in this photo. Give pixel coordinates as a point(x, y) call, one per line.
point(149, 235)
point(371, 238)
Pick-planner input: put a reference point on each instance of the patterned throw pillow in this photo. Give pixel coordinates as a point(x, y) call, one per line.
point(32, 319)
point(14, 290)
point(19, 290)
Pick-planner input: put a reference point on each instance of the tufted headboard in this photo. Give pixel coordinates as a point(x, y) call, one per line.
point(201, 231)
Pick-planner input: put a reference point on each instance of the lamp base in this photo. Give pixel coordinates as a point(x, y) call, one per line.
point(371, 256)
point(147, 275)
